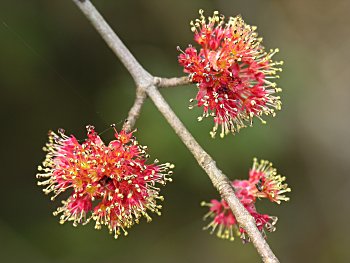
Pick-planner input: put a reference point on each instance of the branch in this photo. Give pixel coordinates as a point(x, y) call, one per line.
point(171, 82)
point(135, 110)
point(146, 82)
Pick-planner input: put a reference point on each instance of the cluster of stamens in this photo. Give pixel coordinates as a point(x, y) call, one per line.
point(110, 184)
point(263, 182)
point(233, 72)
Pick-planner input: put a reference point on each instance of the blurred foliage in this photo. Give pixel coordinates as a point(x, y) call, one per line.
point(55, 71)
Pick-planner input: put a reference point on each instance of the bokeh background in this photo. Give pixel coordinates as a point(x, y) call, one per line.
point(55, 71)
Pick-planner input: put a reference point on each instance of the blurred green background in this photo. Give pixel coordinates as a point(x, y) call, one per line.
point(55, 71)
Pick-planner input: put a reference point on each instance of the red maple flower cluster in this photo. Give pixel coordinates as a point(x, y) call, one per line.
point(110, 184)
point(263, 182)
point(233, 72)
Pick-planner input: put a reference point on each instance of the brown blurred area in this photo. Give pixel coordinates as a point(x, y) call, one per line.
point(55, 71)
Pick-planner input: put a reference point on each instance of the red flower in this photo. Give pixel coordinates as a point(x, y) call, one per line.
point(268, 184)
point(247, 191)
point(233, 72)
point(110, 184)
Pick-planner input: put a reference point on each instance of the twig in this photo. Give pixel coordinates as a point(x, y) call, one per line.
point(135, 110)
point(146, 82)
point(171, 82)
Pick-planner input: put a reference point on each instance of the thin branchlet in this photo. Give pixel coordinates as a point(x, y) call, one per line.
point(135, 110)
point(171, 82)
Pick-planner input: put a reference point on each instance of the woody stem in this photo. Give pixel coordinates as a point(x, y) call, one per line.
point(148, 84)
